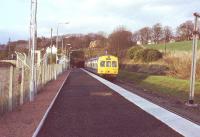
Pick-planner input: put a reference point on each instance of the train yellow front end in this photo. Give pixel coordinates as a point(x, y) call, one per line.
point(106, 66)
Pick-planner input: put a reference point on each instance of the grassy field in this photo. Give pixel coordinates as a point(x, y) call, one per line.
point(173, 47)
point(162, 84)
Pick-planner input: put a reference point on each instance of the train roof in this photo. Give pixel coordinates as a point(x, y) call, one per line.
point(96, 58)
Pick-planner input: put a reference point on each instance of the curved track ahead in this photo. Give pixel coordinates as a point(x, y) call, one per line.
point(87, 108)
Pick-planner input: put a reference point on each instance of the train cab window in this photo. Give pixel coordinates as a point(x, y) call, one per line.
point(114, 63)
point(108, 63)
point(102, 63)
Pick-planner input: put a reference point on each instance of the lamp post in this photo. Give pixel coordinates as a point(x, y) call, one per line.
point(33, 43)
point(51, 60)
point(62, 44)
point(57, 35)
point(69, 52)
point(67, 44)
point(194, 58)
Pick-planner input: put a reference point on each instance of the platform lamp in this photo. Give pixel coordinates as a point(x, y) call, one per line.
point(57, 35)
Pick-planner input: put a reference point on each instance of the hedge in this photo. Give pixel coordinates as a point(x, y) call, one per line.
point(144, 55)
point(132, 51)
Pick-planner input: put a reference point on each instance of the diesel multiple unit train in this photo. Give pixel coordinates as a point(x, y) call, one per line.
point(106, 66)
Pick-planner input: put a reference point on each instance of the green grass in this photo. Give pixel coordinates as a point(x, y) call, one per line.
point(162, 84)
point(173, 47)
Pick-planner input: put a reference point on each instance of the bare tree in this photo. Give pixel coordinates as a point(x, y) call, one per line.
point(185, 30)
point(101, 37)
point(136, 36)
point(157, 32)
point(167, 33)
point(145, 35)
point(119, 40)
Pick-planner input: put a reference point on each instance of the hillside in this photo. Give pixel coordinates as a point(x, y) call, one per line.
point(173, 47)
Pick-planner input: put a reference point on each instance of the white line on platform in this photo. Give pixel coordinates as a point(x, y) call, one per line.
point(49, 108)
point(176, 122)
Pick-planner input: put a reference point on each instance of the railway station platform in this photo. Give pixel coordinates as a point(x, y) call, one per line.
point(87, 108)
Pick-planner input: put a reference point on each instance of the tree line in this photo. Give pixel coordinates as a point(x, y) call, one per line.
point(158, 33)
point(121, 39)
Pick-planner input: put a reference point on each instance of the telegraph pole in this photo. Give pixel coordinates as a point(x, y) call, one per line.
point(51, 59)
point(62, 44)
point(33, 44)
point(194, 60)
point(9, 48)
point(51, 37)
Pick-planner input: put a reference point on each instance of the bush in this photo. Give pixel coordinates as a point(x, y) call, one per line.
point(147, 55)
point(152, 55)
point(144, 55)
point(140, 55)
point(132, 51)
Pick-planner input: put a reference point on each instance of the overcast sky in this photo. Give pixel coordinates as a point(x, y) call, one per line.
point(86, 16)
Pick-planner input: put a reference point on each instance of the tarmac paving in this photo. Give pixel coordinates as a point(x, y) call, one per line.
point(87, 108)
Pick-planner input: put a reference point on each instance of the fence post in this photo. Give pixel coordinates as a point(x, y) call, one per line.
point(10, 93)
point(36, 80)
point(46, 74)
point(1, 96)
point(39, 77)
point(54, 72)
point(42, 74)
point(22, 87)
point(50, 76)
point(49, 73)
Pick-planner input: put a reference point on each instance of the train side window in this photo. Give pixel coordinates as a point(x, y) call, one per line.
point(102, 63)
point(95, 65)
point(108, 64)
point(114, 63)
